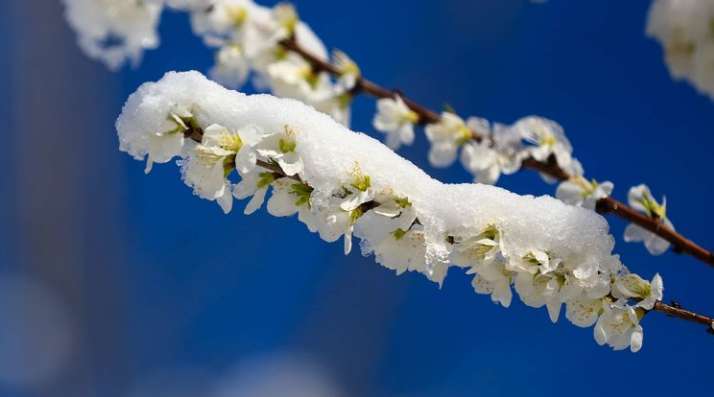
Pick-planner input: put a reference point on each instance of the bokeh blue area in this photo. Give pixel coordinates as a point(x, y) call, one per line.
point(117, 284)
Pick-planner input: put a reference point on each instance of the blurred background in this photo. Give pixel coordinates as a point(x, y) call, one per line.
point(117, 284)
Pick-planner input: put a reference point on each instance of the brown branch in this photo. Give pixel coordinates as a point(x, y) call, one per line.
point(608, 205)
point(675, 310)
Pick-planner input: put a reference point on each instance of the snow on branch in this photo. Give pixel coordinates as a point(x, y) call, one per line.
point(341, 183)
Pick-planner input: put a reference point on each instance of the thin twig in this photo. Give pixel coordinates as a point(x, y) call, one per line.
point(607, 205)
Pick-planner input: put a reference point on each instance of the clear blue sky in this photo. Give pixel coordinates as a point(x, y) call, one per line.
point(204, 290)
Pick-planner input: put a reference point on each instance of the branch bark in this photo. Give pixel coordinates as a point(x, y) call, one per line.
point(608, 205)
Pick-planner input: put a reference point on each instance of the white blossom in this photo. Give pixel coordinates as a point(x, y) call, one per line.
point(399, 251)
point(253, 184)
point(232, 67)
point(583, 312)
point(347, 69)
point(640, 198)
point(295, 78)
point(685, 30)
point(163, 146)
point(619, 327)
point(546, 138)
point(289, 197)
point(632, 286)
point(539, 290)
point(396, 120)
point(486, 246)
point(580, 192)
point(492, 278)
point(221, 150)
point(497, 153)
point(446, 136)
point(589, 279)
point(282, 149)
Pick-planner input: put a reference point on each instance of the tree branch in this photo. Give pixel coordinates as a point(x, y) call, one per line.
point(607, 205)
point(195, 133)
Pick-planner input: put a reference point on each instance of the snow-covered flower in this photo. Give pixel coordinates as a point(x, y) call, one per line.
point(231, 68)
point(391, 232)
point(632, 286)
point(396, 120)
point(492, 278)
point(497, 153)
point(253, 184)
point(394, 215)
point(282, 148)
point(446, 136)
point(619, 327)
point(535, 261)
point(580, 192)
point(220, 152)
point(163, 146)
point(344, 208)
point(546, 138)
point(485, 246)
point(401, 251)
point(289, 196)
point(640, 198)
point(538, 290)
point(589, 279)
point(583, 312)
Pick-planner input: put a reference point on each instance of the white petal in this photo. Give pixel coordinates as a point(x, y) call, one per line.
point(569, 193)
point(406, 133)
point(245, 160)
point(256, 201)
point(657, 286)
point(656, 245)
point(442, 154)
point(281, 203)
point(636, 339)
point(291, 167)
point(635, 233)
point(553, 307)
point(503, 294)
point(489, 176)
point(226, 200)
point(599, 333)
point(348, 242)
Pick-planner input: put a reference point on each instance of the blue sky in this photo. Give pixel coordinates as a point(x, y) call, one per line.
point(202, 290)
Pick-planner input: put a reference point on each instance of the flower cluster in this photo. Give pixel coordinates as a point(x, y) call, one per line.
point(247, 38)
point(487, 150)
point(685, 28)
point(341, 184)
point(114, 31)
